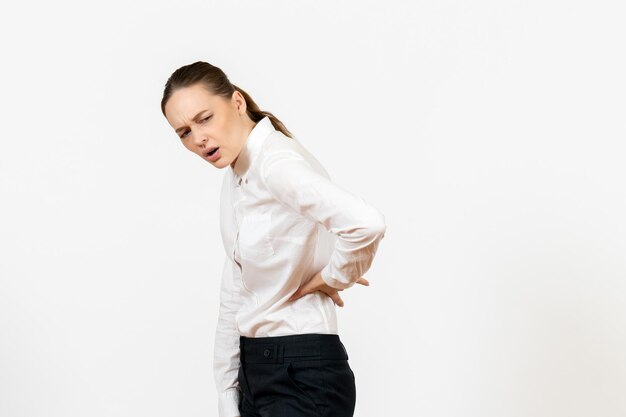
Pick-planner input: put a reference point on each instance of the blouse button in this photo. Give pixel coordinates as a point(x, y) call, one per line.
point(266, 353)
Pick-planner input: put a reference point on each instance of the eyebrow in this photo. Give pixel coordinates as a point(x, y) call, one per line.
point(194, 119)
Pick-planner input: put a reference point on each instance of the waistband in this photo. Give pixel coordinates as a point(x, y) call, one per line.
point(309, 346)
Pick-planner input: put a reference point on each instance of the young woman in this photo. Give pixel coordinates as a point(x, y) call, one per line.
point(293, 240)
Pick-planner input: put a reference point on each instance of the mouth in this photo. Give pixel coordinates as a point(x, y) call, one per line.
point(212, 154)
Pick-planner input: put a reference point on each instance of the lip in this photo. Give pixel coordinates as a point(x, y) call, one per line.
point(213, 157)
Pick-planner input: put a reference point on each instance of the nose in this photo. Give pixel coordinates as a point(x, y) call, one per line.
point(200, 139)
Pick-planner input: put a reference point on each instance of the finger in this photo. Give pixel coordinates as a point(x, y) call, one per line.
point(295, 295)
point(300, 292)
point(336, 298)
point(308, 287)
point(362, 281)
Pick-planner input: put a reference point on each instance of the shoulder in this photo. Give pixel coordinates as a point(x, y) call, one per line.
point(278, 142)
point(279, 147)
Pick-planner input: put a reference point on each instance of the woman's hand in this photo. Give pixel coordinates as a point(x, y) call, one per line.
point(318, 284)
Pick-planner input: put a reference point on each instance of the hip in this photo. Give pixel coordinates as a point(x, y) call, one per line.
point(306, 372)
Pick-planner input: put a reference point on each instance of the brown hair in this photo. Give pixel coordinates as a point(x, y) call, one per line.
point(214, 80)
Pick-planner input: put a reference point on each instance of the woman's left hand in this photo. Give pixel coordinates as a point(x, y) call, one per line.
point(318, 284)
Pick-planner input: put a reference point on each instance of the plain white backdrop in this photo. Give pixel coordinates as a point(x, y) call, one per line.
point(489, 133)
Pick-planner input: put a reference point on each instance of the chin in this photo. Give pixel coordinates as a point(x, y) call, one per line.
point(220, 163)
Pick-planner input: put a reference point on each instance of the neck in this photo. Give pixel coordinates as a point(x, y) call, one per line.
point(249, 126)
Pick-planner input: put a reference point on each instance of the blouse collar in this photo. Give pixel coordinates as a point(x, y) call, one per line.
point(251, 148)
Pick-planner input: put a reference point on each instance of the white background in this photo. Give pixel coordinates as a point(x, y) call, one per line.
point(489, 133)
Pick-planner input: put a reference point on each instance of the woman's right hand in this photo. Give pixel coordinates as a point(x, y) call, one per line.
point(317, 283)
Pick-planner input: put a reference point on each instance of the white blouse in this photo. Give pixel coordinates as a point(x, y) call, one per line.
point(282, 221)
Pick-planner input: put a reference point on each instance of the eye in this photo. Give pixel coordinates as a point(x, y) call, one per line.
point(204, 119)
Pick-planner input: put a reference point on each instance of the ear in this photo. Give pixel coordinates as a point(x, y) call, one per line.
point(240, 102)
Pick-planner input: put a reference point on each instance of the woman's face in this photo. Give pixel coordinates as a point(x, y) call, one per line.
point(204, 121)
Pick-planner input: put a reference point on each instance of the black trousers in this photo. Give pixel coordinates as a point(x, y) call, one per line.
point(303, 375)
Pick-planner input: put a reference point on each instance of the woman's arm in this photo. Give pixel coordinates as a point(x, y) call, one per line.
point(359, 226)
point(226, 352)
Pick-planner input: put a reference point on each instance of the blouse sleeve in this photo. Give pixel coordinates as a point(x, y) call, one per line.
point(359, 226)
point(226, 352)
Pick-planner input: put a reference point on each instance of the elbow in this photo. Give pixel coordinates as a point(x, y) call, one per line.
point(376, 225)
point(379, 229)
point(367, 228)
